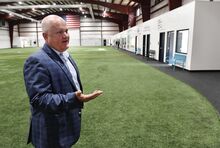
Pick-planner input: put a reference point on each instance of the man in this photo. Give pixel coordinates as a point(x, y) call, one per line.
point(54, 88)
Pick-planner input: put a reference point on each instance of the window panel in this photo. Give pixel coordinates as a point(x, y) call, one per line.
point(182, 41)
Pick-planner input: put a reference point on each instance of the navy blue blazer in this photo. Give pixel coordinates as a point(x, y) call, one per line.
point(55, 110)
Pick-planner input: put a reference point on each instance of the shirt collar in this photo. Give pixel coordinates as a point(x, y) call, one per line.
point(65, 53)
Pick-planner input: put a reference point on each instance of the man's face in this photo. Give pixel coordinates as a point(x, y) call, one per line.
point(57, 36)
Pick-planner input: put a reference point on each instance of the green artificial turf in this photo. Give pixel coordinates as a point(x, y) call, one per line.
point(141, 107)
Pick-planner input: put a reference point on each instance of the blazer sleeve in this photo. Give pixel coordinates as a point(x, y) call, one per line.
point(38, 85)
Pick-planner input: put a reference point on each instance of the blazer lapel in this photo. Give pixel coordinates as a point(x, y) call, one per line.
point(57, 60)
point(77, 71)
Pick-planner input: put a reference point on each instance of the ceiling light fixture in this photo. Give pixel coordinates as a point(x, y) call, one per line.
point(50, 6)
point(104, 13)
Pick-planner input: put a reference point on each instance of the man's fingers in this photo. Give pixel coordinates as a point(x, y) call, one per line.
point(98, 92)
point(88, 97)
point(78, 93)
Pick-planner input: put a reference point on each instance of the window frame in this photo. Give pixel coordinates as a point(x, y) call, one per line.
point(176, 49)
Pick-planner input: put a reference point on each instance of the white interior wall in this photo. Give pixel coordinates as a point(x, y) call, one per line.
point(4, 37)
point(108, 30)
point(157, 11)
point(132, 33)
point(94, 32)
point(139, 19)
point(206, 47)
point(40, 36)
point(186, 1)
point(91, 33)
point(177, 19)
point(160, 12)
point(202, 20)
point(74, 37)
point(28, 34)
point(16, 38)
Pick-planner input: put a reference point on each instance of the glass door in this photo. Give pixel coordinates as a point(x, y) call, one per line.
point(169, 48)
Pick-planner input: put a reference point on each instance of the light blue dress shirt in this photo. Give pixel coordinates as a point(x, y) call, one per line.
point(65, 58)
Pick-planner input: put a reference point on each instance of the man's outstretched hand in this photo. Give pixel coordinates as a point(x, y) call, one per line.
point(87, 97)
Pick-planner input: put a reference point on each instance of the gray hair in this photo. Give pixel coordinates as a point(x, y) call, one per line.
point(47, 22)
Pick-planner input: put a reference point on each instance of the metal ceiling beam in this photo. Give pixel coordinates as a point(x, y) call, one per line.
point(23, 11)
point(44, 6)
point(112, 2)
point(173, 4)
point(109, 19)
point(145, 8)
point(137, 1)
point(118, 18)
point(19, 15)
point(118, 7)
point(117, 21)
point(132, 19)
point(49, 6)
point(11, 1)
point(4, 16)
point(60, 13)
point(113, 15)
point(91, 11)
point(130, 11)
point(5, 3)
point(124, 9)
point(129, 3)
point(16, 22)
